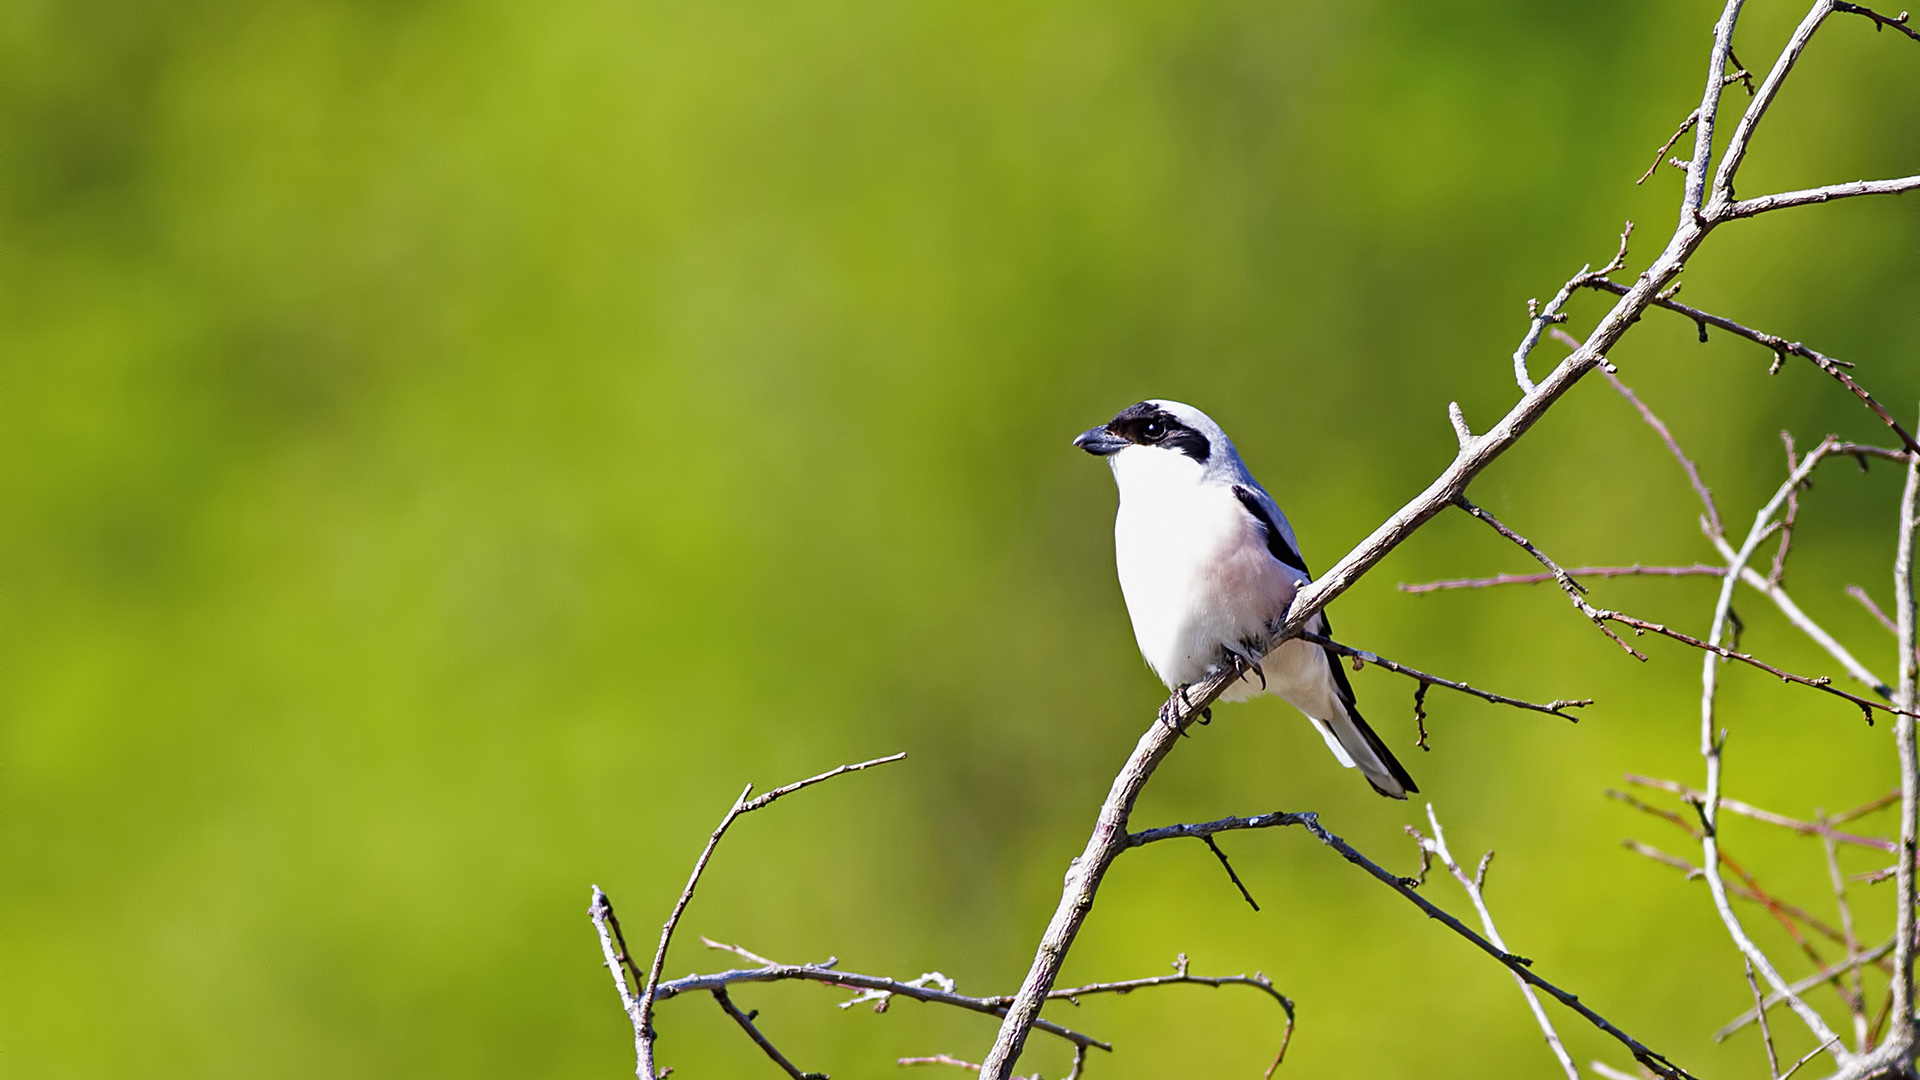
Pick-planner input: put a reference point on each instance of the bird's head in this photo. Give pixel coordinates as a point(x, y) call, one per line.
point(1163, 429)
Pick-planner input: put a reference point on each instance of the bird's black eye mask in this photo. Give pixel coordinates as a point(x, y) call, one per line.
point(1147, 424)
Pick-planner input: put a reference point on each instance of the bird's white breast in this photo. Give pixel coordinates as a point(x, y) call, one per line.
point(1193, 564)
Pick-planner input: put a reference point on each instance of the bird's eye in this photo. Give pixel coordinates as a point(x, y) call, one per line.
point(1154, 431)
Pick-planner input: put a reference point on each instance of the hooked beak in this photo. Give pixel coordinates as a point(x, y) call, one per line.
point(1100, 442)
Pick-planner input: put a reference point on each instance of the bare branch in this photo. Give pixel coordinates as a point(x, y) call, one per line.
point(613, 946)
point(1769, 585)
point(1184, 977)
point(1519, 965)
point(1810, 1055)
point(1552, 708)
point(1750, 207)
point(1789, 916)
point(1231, 876)
point(1695, 199)
point(1757, 108)
point(1779, 571)
point(1474, 887)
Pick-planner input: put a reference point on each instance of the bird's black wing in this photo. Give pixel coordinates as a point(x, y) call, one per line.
point(1278, 547)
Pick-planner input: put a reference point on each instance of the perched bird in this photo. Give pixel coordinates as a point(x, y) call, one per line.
point(1208, 565)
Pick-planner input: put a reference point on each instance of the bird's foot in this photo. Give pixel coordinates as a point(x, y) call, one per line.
point(1175, 707)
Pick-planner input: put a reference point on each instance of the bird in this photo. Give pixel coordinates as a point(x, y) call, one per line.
point(1209, 565)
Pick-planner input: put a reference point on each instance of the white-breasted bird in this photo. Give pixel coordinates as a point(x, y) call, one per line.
point(1208, 565)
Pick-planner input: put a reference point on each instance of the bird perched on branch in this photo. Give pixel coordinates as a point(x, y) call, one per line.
point(1208, 565)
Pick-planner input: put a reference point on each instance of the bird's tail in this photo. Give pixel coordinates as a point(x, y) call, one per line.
point(1364, 750)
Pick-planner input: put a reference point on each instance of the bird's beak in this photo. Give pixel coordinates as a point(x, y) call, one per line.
point(1100, 442)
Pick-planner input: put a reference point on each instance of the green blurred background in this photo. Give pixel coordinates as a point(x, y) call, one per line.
point(447, 449)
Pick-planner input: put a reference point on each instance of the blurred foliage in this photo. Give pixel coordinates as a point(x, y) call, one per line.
point(450, 448)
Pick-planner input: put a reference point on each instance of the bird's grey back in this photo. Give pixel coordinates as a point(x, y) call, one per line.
point(1223, 465)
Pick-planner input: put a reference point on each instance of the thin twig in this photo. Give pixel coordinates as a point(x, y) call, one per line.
point(1856, 998)
point(1700, 488)
point(745, 1020)
point(875, 985)
point(1822, 827)
point(1779, 570)
point(1866, 601)
point(1661, 154)
point(1551, 708)
point(1235, 878)
point(1880, 22)
point(1636, 570)
point(1811, 1054)
point(938, 1059)
point(1802, 985)
point(1766, 1034)
point(1574, 590)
